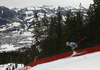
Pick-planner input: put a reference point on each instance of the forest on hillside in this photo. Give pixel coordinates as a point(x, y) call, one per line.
point(51, 34)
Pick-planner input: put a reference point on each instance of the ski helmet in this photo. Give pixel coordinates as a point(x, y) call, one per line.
point(67, 43)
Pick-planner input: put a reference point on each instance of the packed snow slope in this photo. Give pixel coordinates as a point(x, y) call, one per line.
point(83, 62)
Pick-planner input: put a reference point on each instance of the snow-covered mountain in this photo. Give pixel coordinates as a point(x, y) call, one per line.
point(27, 14)
point(16, 24)
point(6, 15)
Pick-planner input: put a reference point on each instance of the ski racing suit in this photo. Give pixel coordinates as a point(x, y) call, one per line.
point(73, 45)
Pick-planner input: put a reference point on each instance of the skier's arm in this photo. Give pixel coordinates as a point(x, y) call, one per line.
point(71, 45)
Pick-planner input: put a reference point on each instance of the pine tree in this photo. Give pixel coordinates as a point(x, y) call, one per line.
point(79, 25)
point(67, 29)
point(45, 26)
point(46, 43)
point(74, 27)
point(59, 31)
point(37, 26)
point(97, 20)
point(37, 35)
point(52, 44)
point(52, 36)
point(70, 27)
point(93, 19)
point(80, 28)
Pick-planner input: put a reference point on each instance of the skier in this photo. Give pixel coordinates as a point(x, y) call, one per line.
point(73, 45)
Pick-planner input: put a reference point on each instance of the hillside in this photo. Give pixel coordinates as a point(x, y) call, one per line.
point(16, 24)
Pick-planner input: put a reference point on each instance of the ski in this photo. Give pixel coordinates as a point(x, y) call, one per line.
point(80, 53)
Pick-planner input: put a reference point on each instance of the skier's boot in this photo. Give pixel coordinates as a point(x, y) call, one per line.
point(74, 53)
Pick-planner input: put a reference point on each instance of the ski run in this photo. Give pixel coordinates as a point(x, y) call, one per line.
point(83, 62)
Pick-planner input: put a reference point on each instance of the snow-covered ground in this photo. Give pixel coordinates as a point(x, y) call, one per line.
point(14, 37)
point(9, 66)
point(83, 62)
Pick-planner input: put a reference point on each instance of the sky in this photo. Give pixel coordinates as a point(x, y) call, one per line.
point(24, 3)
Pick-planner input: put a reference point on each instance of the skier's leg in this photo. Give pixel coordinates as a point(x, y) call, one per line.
point(74, 52)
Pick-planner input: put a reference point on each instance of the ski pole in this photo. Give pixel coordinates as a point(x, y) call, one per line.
point(81, 40)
